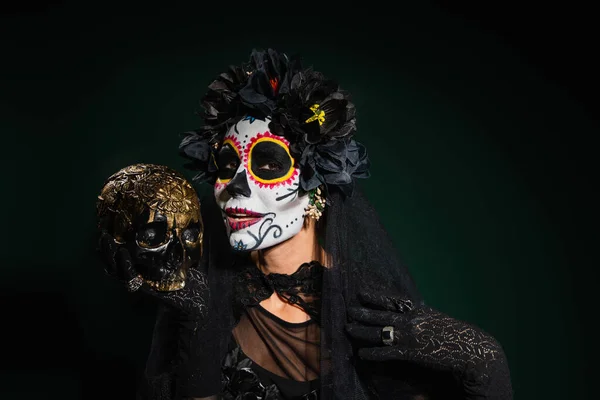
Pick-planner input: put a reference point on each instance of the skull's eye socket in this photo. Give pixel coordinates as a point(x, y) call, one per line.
point(152, 235)
point(191, 233)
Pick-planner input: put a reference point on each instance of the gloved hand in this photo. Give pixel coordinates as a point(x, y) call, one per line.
point(387, 328)
point(192, 299)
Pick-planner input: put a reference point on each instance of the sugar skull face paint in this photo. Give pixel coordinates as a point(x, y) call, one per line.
point(258, 187)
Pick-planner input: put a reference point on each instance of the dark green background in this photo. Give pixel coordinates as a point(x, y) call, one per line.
point(477, 129)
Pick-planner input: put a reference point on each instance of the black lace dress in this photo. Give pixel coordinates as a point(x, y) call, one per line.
point(270, 358)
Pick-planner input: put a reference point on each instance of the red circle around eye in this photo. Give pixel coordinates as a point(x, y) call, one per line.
point(286, 179)
point(220, 185)
point(234, 143)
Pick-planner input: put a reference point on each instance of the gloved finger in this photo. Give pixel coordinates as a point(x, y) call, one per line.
point(126, 272)
point(386, 353)
point(369, 316)
point(198, 278)
point(364, 333)
point(193, 299)
point(385, 302)
point(107, 249)
point(124, 265)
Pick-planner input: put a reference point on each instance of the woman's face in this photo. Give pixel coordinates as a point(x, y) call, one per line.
point(258, 187)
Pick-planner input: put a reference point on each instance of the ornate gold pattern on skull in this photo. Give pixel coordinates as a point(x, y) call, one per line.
point(154, 212)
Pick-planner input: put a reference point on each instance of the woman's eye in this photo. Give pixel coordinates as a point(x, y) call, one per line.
point(231, 165)
point(272, 166)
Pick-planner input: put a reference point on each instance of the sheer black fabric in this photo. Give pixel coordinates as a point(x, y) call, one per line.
point(289, 350)
point(244, 379)
point(274, 358)
point(363, 258)
point(158, 381)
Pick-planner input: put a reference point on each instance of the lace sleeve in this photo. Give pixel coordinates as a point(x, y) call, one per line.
point(429, 338)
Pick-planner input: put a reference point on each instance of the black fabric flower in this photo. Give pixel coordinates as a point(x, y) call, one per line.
point(240, 382)
point(309, 110)
point(318, 119)
point(334, 163)
point(250, 87)
point(199, 148)
point(269, 78)
point(316, 109)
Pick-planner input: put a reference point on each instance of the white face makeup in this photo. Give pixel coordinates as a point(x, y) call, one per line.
point(258, 187)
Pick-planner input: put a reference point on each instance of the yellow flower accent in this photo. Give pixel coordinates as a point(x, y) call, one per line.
point(319, 115)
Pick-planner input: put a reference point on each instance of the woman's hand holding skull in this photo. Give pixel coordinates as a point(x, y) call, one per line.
point(192, 299)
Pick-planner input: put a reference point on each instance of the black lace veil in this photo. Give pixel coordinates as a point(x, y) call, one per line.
point(362, 258)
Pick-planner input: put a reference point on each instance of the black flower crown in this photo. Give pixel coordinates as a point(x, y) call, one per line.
point(310, 111)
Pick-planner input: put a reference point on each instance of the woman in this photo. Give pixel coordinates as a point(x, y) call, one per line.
point(315, 303)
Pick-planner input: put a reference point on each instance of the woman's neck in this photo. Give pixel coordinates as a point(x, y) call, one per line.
point(287, 256)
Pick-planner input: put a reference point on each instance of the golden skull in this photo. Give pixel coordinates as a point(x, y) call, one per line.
point(154, 212)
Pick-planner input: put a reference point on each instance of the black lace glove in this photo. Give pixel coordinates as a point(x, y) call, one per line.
point(192, 299)
point(433, 340)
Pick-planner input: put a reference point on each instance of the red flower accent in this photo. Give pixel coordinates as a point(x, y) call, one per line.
point(274, 84)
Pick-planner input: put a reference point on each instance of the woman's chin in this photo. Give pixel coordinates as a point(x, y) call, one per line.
point(240, 240)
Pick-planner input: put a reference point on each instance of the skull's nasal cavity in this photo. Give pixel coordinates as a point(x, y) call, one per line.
point(174, 253)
